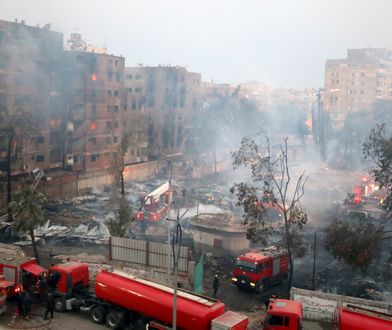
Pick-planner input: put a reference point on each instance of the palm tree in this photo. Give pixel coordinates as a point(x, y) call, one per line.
point(28, 213)
point(16, 127)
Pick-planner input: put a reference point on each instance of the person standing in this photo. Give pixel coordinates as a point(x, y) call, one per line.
point(27, 303)
point(49, 306)
point(20, 303)
point(215, 285)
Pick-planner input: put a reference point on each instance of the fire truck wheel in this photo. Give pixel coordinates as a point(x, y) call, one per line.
point(113, 320)
point(97, 314)
point(59, 304)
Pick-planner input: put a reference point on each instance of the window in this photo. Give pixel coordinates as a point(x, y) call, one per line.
point(138, 90)
point(56, 156)
point(108, 124)
point(92, 140)
point(39, 139)
point(275, 320)
point(39, 158)
point(138, 76)
point(133, 104)
point(118, 76)
point(218, 243)
point(116, 108)
point(128, 76)
point(94, 108)
point(116, 93)
point(116, 62)
point(55, 138)
point(129, 90)
point(109, 108)
point(108, 140)
point(94, 157)
point(245, 265)
point(110, 76)
point(109, 93)
point(115, 139)
point(116, 124)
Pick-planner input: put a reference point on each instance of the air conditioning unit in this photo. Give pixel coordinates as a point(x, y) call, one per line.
point(70, 160)
point(70, 127)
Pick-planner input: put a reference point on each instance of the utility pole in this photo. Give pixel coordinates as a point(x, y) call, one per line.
point(176, 245)
point(314, 261)
point(168, 224)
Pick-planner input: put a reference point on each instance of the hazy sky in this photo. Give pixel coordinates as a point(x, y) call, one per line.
point(279, 42)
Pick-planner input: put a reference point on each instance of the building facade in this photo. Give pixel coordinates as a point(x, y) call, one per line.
point(30, 81)
point(354, 84)
point(94, 85)
point(166, 96)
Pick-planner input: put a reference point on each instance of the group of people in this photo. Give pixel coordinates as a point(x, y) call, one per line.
point(46, 292)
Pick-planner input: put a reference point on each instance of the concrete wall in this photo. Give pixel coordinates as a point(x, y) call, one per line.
point(321, 306)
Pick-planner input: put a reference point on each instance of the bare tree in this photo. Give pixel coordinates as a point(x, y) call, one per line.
point(271, 186)
point(117, 165)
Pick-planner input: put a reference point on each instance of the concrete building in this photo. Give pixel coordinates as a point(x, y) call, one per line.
point(168, 96)
point(94, 85)
point(357, 82)
point(30, 80)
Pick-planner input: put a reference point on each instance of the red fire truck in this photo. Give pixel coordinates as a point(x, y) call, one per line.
point(285, 314)
point(257, 270)
point(155, 206)
point(121, 298)
point(4, 287)
point(21, 272)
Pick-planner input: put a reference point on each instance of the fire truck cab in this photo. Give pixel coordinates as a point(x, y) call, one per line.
point(4, 286)
point(22, 272)
point(257, 270)
point(70, 279)
point(283, 314)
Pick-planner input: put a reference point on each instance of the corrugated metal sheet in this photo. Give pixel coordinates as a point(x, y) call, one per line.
point(146, 253)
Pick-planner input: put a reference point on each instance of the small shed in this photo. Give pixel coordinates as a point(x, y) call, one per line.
point(219, 233)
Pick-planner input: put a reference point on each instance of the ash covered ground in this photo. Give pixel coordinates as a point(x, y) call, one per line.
point(77, 225)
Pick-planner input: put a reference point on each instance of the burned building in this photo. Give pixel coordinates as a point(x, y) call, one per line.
point(168, 96)
point(30, 81)
point(94, 85)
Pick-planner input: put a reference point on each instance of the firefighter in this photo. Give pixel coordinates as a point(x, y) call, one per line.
point(215, 284)
point(20, 302)
point(27, 303)
point(49, 305)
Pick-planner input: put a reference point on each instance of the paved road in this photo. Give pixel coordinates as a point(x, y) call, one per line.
point(61, 321)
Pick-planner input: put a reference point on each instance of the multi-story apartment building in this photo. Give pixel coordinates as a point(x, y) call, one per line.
point(75, 96)
point(30, 81)
point(166, 96)
point(94, 85)
point(357, 82)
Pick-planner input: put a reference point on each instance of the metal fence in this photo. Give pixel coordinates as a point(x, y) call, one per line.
point(146, 253)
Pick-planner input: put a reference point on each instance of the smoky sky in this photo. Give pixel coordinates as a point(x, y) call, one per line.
point(279, 42)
